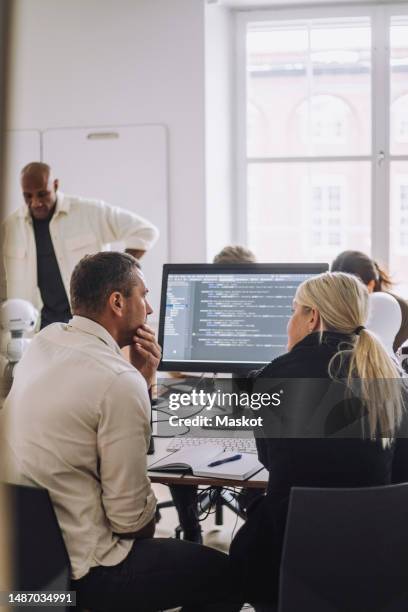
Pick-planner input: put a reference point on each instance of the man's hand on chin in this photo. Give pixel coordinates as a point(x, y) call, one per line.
point(145, 353)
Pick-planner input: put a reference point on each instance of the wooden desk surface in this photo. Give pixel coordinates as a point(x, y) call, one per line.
point(258, 481)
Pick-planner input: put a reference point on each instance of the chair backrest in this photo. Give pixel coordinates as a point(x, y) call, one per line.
point(346, 550)
point(40, 558)
point(384, 318)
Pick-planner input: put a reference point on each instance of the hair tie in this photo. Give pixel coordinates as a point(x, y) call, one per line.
point(359, 329)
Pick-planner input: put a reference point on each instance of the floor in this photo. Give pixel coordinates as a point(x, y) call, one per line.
point(218, 537)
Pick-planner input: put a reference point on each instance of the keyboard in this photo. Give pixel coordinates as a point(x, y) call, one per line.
point(242, 445)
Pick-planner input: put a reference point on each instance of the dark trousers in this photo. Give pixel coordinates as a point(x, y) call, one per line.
point(185, 500)
point(256, 550)
point(162, 573)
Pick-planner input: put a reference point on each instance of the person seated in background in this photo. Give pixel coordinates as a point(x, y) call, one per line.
point(376, 279)
point(328, 346)
point(77, 423)
point(234, 254)
point(185, 497)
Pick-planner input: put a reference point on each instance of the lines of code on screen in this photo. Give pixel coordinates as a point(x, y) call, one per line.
point(231, 318)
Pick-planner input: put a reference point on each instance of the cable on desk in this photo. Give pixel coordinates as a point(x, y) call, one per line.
point(163, 412)
point(177, 383)
point(166, 421)
point(189, 416)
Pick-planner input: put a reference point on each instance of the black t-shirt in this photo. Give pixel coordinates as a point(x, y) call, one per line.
point(56, 306)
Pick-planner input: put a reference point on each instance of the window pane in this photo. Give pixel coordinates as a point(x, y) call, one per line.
point(399, 225)
point(309, 87)
point(399, 85)
point(308, 212)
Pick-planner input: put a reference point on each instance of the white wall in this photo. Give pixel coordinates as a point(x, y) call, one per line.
point(108, 62)
point(220, 106)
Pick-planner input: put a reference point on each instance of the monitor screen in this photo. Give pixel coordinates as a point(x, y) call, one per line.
point(227, 317)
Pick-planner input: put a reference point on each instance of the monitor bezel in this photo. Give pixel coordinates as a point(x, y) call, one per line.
point(259, 268)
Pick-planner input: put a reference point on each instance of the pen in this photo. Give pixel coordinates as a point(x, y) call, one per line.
point(221, 461)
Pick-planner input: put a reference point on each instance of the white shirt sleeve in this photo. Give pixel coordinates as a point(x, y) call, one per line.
point(3, 278)
point(123, 439)
point(113, 224)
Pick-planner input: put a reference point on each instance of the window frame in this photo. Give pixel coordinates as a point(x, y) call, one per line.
point(379, 158)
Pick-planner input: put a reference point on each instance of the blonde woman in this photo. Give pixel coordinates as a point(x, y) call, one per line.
point(327, 340)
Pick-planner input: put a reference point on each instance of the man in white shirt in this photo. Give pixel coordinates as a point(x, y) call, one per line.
point(77, 422)
point(44, 240)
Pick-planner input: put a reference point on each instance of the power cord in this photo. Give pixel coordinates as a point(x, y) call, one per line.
point(189, 416)
point(235, 526)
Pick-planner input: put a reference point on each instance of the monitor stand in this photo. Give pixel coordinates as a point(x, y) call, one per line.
point(232, 385)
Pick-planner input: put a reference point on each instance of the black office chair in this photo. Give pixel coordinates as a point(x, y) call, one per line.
point(346, 550)
point(41, 561)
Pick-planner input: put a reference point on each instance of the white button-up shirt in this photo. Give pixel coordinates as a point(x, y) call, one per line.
point(77, 422)
point(78, 227)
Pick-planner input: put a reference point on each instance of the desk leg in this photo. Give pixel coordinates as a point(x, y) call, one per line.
point(218, 507)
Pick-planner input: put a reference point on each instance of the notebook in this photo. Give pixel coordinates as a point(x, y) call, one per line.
point(196, 459)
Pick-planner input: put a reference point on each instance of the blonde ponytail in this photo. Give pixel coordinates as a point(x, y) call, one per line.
point(380, 384)
point(342, 302)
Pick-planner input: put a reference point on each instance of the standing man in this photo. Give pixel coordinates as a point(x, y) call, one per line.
point(44, 240)
point(77, 422)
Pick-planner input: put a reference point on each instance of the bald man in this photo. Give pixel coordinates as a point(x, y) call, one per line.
point(44, 240)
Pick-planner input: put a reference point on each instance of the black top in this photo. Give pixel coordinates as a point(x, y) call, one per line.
point(309, 462)
point(340, 457)
point(55, 302)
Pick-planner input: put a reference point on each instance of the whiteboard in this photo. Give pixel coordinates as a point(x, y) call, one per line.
point(22, 147)
point(125, 166)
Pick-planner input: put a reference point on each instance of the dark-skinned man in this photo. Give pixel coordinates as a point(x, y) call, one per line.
point(45, 238)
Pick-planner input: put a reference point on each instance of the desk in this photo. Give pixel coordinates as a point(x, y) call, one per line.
point(257, 481)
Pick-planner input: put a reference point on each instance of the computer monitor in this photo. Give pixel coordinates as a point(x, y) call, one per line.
point(227, 317)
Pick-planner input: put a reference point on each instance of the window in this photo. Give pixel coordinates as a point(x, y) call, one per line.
point(398, 164)
point(311, 81)
point(402, 208)
point(324, 119)
point(404, 197)
point(310, 182)
point(399, 118)
point(326, 222)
